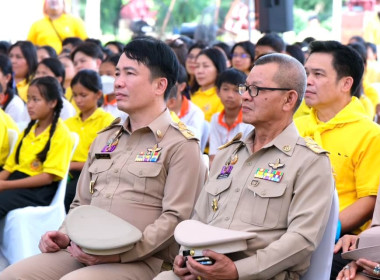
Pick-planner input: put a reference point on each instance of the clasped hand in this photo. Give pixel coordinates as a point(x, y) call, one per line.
point(223, 268)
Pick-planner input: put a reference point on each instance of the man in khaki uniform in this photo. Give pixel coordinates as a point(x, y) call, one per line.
point(148, 171)
point(274, 183)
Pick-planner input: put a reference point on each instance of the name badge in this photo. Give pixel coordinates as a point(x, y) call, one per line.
point(102, 156)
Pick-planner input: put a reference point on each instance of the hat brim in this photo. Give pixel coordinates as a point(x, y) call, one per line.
point(369, 253)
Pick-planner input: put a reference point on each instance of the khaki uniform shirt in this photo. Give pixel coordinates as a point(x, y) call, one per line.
point(153, 196)
point(289, 216)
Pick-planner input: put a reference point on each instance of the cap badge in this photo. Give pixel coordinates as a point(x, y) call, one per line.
point(276, 164)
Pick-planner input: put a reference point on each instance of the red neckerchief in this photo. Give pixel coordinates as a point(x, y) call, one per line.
point(184, 107)
point(106, 102)
point(238, 120)
point(6, 96)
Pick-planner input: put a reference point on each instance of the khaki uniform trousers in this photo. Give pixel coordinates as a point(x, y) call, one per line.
point(62, 266)
point(166, 275)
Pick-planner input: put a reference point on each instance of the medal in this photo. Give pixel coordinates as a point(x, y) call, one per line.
point(152, 155)
point(228, 166)
point(112, 143)
point(269, 174)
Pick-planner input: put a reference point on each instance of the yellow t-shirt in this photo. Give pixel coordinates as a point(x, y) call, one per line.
point(371, 92)
point(368, 107)
point(6, 122)
point(208, 101)
point(87, 131)
point(42, 31)
point(353, 142)
point(58, 157)
point(22, 89)
point(302, 110)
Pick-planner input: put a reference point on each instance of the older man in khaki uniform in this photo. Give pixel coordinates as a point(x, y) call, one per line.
point(148, 171)
point(274, 183)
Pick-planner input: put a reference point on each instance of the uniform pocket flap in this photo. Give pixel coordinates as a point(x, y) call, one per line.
point(264, 189)
point(100, 165)
point(215, 187)
point(145, 169)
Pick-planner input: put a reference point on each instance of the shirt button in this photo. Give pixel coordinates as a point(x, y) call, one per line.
point(129, 149)
point(255, 183)
point(249, 163)
point(116, 170)
point(140, 172)
point(108, 195)
point(264, 193)
point(227, 218)
point(237, 190)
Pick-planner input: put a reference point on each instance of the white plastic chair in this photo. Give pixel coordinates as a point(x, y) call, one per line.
point(321, 259)
point(205, 135)
point(12, 138)
point(21, 229)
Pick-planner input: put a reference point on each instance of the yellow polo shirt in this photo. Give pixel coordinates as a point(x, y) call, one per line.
point(87, 131)
point(57, 159)
point(353, 143)
point(42, 31)
point(22, 89)
point(302, 110)
point(70, 98)
point(6, 122)
point(208, 101)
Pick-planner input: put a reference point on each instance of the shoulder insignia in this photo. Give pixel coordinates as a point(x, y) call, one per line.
point(312, 145)
point(114, 123)
point(185, 131)
point(236, 139)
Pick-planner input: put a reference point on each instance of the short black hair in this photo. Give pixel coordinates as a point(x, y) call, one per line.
point(346, 61)
point(273, 40)
point(231, 76)
point(296, 52)
point(88, 48)
point(50, 50)
point(157, 56)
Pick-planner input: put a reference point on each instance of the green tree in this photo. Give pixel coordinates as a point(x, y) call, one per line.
point(110, 16)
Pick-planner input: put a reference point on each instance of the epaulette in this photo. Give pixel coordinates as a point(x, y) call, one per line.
point(312, 145)
point(236, 139)
point(185, 131)
point(114, 123)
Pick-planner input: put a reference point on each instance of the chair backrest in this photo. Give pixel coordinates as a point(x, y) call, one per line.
point(61, 190)
point(12, 138)
point(321, 259)
point(205, 135)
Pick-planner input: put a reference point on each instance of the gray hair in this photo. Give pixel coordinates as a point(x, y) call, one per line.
point(291, 73)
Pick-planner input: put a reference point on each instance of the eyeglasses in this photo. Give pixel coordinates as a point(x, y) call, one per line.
point(191, 57)
point(244, 88)
point(241, 55)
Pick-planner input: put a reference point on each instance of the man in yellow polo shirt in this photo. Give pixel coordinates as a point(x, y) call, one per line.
point(338, 123)
point(55, 26)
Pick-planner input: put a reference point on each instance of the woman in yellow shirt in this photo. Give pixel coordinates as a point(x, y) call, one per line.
point(87, 91)
point(209, 64)
point(23, 56)
point(42, 152)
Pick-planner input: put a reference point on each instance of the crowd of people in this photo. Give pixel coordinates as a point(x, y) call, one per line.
point(283, 127)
